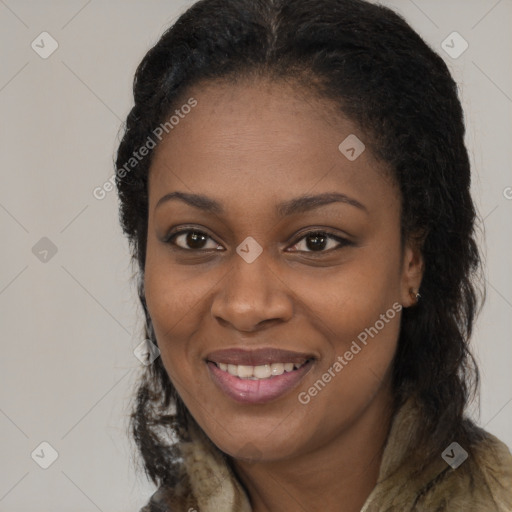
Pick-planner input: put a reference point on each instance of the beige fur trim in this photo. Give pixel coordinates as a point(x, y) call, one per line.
point(213, 483)
point(482, 483)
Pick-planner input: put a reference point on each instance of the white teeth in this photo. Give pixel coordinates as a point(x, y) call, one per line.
point(264, 371)
point(245, 371)
point(278, 368)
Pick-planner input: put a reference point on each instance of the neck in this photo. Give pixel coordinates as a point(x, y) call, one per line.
point(340, 474)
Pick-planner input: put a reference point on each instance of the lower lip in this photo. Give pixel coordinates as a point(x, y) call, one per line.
point(259, 391)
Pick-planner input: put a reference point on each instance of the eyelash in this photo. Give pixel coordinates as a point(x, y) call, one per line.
point(342, 241)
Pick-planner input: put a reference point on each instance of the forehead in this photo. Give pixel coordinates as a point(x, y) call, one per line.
point(260, 138)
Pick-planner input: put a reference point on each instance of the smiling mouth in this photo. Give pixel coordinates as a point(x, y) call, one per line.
point(259, 372)
point(261, 383)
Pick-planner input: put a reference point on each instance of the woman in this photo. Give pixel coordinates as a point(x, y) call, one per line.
point(296, 190)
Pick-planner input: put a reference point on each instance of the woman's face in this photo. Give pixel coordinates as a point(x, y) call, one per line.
point(263, 270)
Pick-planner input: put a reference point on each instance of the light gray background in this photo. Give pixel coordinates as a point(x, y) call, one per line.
point(70, 324)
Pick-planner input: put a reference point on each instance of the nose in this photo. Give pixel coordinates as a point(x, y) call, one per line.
point(252, 295)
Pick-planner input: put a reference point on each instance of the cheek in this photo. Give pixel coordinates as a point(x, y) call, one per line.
point(170, 299)
point(362, 328)
point(172, 292)
point(363, 340)
point(170, 305)
point(346, 301)
point(358, 312)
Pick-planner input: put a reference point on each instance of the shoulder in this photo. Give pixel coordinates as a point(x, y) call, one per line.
point(473, 472)
point(492, 470)
point(475, 478)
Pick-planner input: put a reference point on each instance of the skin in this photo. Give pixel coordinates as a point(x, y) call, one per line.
point(251, 146)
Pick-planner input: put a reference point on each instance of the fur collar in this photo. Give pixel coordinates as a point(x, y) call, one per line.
point(482, 483)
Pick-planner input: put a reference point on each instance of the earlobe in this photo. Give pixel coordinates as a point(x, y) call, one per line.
point(415, 296)
point(412, 275)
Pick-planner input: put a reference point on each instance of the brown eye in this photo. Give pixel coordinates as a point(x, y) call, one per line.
point(317, 241)
point(192, 240)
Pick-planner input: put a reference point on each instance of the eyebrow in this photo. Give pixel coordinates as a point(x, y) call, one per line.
point(293, 206)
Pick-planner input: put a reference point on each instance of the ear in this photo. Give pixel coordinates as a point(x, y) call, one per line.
point(412, 271)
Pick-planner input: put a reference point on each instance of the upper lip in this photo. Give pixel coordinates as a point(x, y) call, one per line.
point(256, 357)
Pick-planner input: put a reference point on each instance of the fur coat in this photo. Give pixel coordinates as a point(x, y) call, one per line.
point(482, 482)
